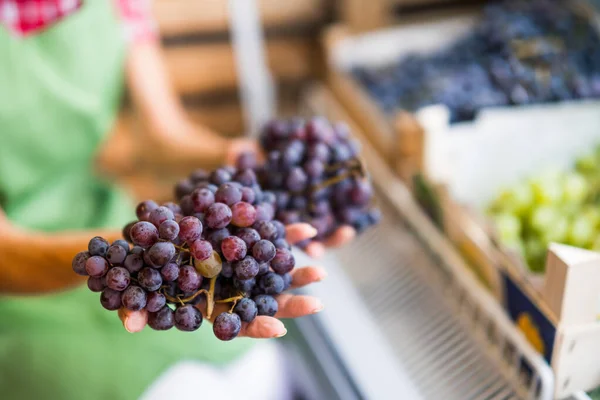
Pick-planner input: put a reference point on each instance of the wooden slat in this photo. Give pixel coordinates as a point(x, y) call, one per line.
point(180, 17)
point(205, 68)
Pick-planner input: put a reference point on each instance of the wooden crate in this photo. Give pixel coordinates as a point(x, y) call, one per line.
point(185, 17)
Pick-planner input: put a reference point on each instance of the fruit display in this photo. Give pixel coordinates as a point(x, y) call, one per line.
point(224, 241)
point(561, 207)
point(519, 52)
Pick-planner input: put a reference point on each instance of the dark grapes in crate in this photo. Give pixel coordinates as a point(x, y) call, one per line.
point(519, 52)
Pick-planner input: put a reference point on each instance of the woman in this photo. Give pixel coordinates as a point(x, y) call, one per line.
point(61, 78)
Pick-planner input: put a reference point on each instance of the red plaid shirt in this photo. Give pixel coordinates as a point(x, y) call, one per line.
point(26, 17)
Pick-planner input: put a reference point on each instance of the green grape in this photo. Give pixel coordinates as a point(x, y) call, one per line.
point(508, 226)
point(592, 213)
point(548, 190)
point(558, 233)
point(518, 200)
point(544, 218)
point(576, 188)
point(582, 232)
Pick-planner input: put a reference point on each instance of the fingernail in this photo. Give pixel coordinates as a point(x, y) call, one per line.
point(125, 325)
point(282, 334)
point(318, 309)
point(313, 231)
point(322, 276)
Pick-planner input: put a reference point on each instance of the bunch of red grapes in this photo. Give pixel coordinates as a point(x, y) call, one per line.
point(314, 171)
point(221, 243)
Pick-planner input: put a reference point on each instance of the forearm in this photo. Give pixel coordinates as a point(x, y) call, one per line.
point(32, 262)
point(160, 108)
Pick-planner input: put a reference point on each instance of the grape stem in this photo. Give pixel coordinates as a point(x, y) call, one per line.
point(210, 296)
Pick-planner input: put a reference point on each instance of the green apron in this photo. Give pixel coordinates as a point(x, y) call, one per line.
point(59, 93)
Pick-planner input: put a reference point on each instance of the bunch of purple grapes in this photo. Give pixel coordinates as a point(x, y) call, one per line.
point(315, 174)
point(218, 245)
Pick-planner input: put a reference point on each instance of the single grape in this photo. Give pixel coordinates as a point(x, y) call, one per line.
point(79, 261)
point(282, 199)
point(210, 267)
point(216, 237)
point(183, 188)
point(168, 230)
point(246, 309)
point(126, 232)
point(190, 229)
point(149, 279)
point(133, 263)
point(233, 248)
point(201, 249)
point(263, 268)
point(228, 194)
point(122, 243)
point(283, 261)
point(162, 320)
point(227, 326)
point(280, 228)
point(110, 299)
point(263, 251)
point(174, 207)
point(248, 195)
point(264, 212)
point(266, 305)
point(314, 168)
point(187, 318)
point(271, 283)
point(218, 216)
point(287, 281)
point(116, 254)
point(269, 197)
point(155, 301)
point(202, 198)
point(189, 280)
point(296, 180)
point(319, 151)
point(161, 253)
point(249, 236)
point(144, 234)
point(220, 176)
point(134, 298)
point(266, 230)
point(144, 209)
point(245, 286)
point(361, 193)
point(160, 215)
point(243, 214)
point(246, 268)
point(170, 272)
point(137, 250)
point(282, 244)
point(96, 266)
point(246, 161)
point(289, 217)
point(117, 278)
point(320, 207)
point(246, 177)
point(96, 284)
point(98, 246)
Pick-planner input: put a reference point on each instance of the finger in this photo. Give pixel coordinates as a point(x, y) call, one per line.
point(315, 249)
point(298, 232)
point(340, 237)
point(295, 306)
point(133, 321)
point(263, 327)
point(307, 275)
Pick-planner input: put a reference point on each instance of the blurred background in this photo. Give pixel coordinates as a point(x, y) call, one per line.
point(480, 126)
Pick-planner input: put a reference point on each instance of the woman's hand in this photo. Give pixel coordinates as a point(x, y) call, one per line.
point(290, 306)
